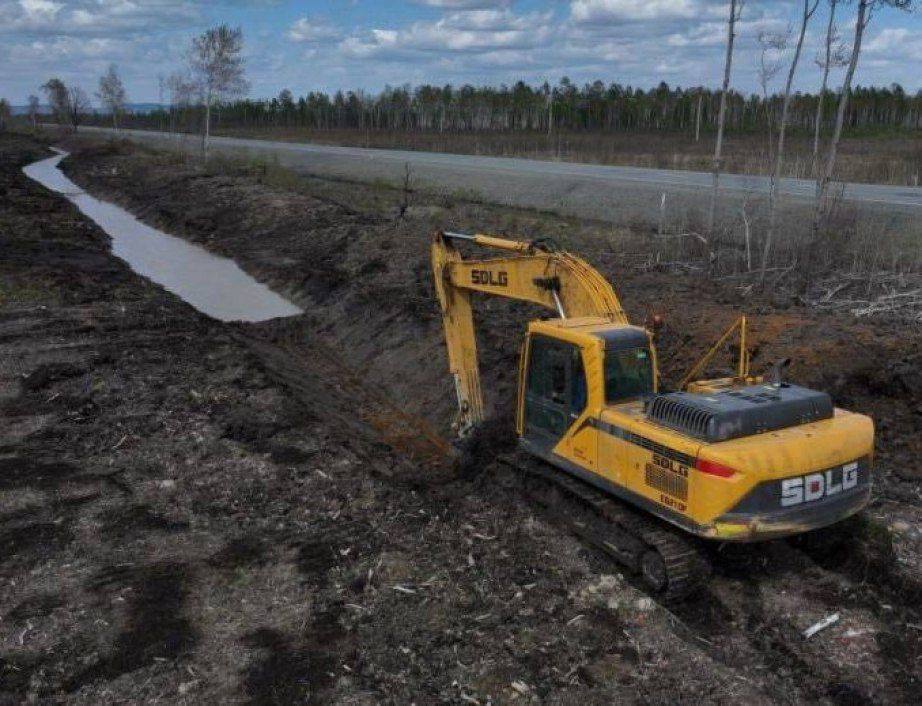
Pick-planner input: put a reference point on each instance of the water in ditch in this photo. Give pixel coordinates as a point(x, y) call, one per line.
point(214, 285)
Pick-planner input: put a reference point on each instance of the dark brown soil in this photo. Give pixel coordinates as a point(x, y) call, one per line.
point(194, 511)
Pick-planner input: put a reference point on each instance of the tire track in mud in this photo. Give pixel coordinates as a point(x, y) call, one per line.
point(704, 622)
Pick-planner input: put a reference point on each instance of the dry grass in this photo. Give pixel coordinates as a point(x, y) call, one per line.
point(883, 160)
point(853, 243)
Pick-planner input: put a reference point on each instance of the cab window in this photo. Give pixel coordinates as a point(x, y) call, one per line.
point(556, 374)
point(628, 374)
point(547, 372)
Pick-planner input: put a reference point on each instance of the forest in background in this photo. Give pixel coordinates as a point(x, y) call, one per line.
point(521, 107)
point(666, 128)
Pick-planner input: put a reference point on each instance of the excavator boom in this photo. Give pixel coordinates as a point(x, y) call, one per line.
point(535, 272)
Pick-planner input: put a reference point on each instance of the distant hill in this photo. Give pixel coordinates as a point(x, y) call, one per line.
point(144, 107)
point(24, 109)
point(131, 107)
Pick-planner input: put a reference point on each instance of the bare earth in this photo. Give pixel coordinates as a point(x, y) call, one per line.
point(198, 512)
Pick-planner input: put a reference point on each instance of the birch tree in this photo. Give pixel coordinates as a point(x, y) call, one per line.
point(836, 56)
point(6, 114)
point(78, 104)
point(736, 9)
point(809, 8)
point(217, 64)
point(866, 10)
point(182, 90)
point(161, 92)
point(772, 46)
point(698, 116)
point(59, 100)
point(112, 93)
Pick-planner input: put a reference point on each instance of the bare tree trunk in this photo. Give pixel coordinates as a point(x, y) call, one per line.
point(830, 32)
point(735, 8)
point(782, 129)
point(206, 130)
point(822, 180)
point(747, 232)
point(698, 118)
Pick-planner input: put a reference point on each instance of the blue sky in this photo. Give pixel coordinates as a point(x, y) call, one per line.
point(366, 44)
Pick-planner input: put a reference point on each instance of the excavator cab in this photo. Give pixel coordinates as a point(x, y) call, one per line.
point(571, 371)
point(556, 357)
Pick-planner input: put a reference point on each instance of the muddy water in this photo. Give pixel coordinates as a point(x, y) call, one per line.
point(214, 285)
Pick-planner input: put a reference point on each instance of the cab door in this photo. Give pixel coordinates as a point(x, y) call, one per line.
point(555, 391)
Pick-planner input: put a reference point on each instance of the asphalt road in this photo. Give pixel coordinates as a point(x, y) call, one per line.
point(589, 190)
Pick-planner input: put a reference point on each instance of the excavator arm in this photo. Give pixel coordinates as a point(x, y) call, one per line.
point(534, 272)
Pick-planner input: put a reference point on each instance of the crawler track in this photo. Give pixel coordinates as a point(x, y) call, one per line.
point(670, 565)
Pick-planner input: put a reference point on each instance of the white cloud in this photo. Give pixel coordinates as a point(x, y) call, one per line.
point(39, 10)
point(895, 44)
point(93, 17)
point(305, 30)
point(70, 48)
point(682, 43)
point(708, 34)
point(622, 11)
point(472, 31)
point(465, 4)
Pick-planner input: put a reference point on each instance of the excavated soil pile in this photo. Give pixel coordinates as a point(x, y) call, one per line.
point(192, 510)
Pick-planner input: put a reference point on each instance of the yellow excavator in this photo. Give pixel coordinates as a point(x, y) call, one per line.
point(737, 459)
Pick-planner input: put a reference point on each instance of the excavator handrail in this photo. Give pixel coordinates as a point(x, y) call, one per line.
point(743, 362)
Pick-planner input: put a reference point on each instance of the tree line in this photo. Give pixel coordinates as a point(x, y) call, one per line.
point(566, 106)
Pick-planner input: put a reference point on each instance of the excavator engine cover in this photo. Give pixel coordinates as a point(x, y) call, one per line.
point(741, 412)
